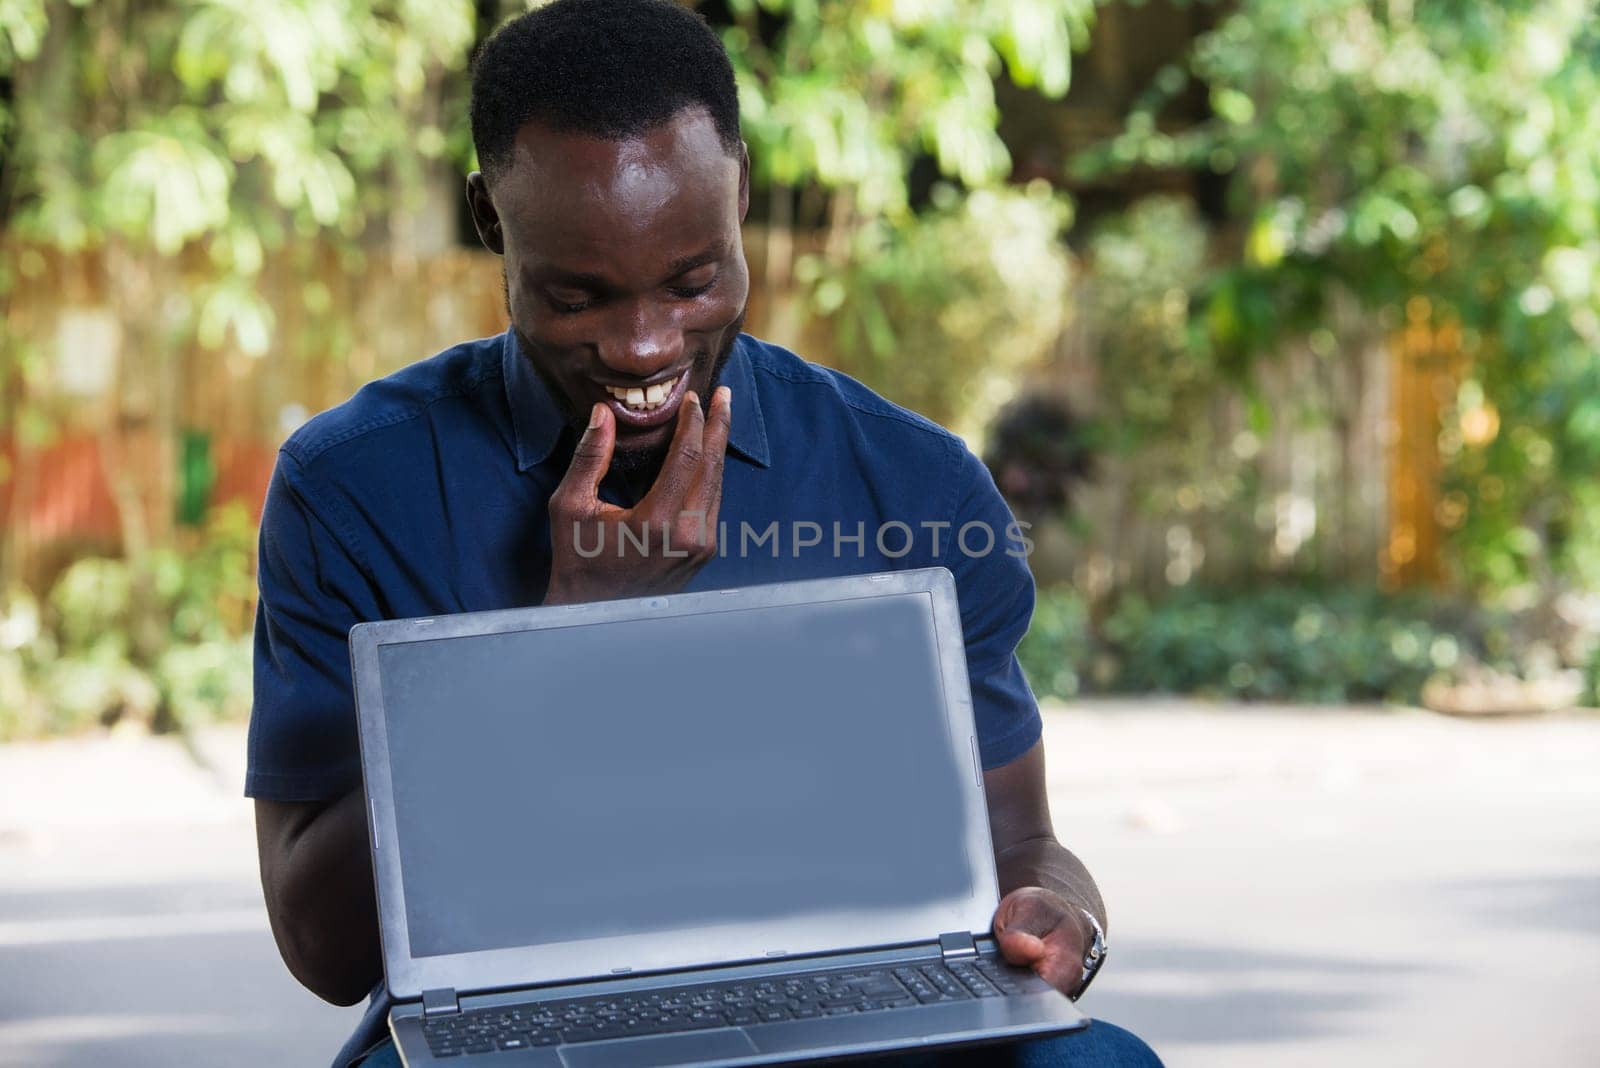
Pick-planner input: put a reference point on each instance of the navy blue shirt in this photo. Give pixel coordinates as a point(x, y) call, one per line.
point(427, 493)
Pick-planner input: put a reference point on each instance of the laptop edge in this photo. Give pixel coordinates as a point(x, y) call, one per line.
point(503, 977)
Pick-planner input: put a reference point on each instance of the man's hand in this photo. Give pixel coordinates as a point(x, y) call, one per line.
point(676, 522)
point(1038, 928)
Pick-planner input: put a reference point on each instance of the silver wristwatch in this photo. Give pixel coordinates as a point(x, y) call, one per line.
point(1094, 957)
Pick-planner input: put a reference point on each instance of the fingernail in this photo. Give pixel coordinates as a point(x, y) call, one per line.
point(594, 415)
point(726, 394)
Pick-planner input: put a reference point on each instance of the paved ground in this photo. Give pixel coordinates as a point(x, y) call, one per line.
point(1341, 888)
point(1286, 887)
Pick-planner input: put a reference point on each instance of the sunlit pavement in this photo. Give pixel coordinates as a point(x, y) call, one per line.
point(131, 926)
point(1286, 887)
point(1340, 887)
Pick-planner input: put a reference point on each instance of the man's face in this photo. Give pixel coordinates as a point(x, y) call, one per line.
point(625, 275)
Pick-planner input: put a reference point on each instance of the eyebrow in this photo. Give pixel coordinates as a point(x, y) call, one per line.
point(600, 284)
point(698, 259)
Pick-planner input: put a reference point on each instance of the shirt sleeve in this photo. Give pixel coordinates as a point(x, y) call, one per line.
point(987, 553)
point(303, 744)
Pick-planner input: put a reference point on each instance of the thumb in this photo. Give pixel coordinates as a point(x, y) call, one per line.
point(1020, 948)
point(1021, 923)
point(591, 459)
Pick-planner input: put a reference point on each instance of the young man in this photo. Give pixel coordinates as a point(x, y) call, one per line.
point(623, 437)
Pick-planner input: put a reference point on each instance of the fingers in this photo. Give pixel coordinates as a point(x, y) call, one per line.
point(683, 459)
point(1059, 969)
point(1021, 948)
point(688, 491)
point(705, 493)
point(578, 493)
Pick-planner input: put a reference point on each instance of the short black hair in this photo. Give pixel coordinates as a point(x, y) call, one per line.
point(609, 68)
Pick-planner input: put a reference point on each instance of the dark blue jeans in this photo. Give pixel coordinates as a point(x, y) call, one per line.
point(1102, 1045)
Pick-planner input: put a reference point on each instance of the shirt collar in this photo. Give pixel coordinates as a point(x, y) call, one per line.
point(748, 434)
point(537, 424)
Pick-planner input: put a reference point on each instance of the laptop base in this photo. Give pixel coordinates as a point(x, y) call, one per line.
point(1027, 1008)
point(812, 1041)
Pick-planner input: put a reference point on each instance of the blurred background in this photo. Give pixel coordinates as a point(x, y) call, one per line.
point(1280, 322)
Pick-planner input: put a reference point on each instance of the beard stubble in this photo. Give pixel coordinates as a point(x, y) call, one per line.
point(636, 467)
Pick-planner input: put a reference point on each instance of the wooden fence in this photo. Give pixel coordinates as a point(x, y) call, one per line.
point(1343, 480)
point(118, 410)
point(1347, 494)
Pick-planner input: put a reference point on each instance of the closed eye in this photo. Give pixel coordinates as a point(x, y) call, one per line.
point(694, 291)
point(568, 303)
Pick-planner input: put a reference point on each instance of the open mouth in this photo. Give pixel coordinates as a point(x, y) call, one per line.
point(647, 406)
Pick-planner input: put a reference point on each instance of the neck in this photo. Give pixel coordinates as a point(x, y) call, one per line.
point(631, 477)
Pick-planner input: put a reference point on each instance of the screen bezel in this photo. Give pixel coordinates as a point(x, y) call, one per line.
point(407, 975)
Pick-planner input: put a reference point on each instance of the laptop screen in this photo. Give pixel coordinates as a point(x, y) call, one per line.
point(662, 774)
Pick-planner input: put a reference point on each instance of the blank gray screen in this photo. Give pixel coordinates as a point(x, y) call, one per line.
point(658, 774)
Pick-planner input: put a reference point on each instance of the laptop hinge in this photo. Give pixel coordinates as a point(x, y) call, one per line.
point(956, 945)
point(440, 1002)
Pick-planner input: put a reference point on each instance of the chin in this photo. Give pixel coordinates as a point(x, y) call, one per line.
point(642, 458)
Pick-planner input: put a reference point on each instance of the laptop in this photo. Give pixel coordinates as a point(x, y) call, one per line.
point(733, 827)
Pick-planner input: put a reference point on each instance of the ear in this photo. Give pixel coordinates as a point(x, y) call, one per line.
point(744, 181)
point(484, 215)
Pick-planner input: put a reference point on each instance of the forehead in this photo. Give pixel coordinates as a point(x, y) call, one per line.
point(577, 199)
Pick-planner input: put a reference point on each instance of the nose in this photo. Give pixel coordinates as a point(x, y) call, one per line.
point(642, 340)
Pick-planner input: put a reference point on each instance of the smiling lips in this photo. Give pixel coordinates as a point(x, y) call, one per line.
point(646, 406)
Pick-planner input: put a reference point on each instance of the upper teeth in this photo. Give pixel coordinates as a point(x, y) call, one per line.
point(644, 399)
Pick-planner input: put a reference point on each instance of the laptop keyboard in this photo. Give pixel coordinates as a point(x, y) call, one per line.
point(690, 1008)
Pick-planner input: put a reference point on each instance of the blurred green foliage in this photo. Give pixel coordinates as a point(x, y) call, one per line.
point(848, 94)
point(246, 128)
point(1282, 644)
point(233, 133)
point(1162, 387)
point(162, 641)
point(1057, 653)
point(235, 129)
point(1441, 163)
point(943, 311)
point(1436, 163)
point(245, 123)
point(936, 305)
point(1285, 643)
point(1157, 369)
